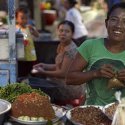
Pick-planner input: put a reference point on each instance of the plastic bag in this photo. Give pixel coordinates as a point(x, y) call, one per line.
point(119, 116)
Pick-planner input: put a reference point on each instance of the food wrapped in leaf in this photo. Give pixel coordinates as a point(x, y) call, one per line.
point(115, 82)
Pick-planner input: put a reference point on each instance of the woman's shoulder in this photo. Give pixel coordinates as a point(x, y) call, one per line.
point(73, 11)
point(72, 45)
point(91, 44)
point(71, 50)
point(93, 41)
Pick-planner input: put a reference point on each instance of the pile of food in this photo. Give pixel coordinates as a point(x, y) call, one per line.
point(89, 116)
point(110, 110)
point(32, 106)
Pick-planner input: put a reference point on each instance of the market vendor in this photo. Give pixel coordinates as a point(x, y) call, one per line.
point(103, 61)
point(66, 95)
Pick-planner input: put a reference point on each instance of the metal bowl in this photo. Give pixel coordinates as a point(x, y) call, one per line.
point(5, 106)
point(59, 113)
point(109, 110)
point(69, 117)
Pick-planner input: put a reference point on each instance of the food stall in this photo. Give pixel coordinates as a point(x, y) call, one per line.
point(27, 100)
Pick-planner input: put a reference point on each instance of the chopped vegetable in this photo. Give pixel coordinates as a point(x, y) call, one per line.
point(11, 91)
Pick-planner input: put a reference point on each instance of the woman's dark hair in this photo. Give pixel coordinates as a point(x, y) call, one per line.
point(67, 23)
point(72, 2)
point(21, 9)
point(115, 6)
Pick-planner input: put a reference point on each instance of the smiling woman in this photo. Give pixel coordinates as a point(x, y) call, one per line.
point(116, 24)
point(101, 59)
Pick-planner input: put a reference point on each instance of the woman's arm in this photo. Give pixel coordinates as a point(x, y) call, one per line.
point(44, 66)
point(77, 75)
point(59, 72)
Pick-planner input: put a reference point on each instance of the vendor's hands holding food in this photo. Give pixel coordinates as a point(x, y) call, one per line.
point(106, 71)
point(116, 78)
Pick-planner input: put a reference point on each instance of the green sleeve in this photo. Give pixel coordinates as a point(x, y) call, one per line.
point(85, 49)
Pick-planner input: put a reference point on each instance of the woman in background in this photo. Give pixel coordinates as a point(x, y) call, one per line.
point(75, 17)
point(57, 72)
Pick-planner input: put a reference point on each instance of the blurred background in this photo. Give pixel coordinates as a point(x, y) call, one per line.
point(45, 16)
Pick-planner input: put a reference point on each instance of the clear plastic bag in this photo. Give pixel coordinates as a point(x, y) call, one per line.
point(119, 116)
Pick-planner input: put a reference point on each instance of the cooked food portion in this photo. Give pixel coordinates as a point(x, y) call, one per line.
point(89, 116)
point(11, 91)
point(110, 111)
point(32, 105)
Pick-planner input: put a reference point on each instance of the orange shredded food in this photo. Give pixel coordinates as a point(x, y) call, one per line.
point(32, 105)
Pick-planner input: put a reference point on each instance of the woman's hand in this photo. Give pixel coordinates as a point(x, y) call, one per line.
point(106, 71)
point(39, 68)
point(121, 75)
point(40, 65)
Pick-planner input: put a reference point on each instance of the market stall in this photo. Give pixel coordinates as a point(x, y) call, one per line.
point(23, 104)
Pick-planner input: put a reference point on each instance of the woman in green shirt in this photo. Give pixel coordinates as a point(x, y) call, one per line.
point(99, 60)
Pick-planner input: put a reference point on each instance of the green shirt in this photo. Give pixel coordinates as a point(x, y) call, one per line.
point(95, 53)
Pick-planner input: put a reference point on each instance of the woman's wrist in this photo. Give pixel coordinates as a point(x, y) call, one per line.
point(95, 73)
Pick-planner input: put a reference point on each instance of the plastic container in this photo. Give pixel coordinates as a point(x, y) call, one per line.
point(4, 45)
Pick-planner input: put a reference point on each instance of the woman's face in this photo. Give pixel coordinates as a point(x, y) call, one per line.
point(21, 19)
point(116, 25)
point(66, 4)
point(65, 33)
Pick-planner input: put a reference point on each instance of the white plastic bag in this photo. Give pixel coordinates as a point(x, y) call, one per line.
point(119, 116)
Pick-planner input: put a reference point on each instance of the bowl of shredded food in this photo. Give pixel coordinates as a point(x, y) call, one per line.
point(87, 115)
point(34, 109)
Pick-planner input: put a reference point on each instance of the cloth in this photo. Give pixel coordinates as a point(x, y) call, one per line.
point(75, 17)
point(95, 53)
point(29, 48)
point(67, 92)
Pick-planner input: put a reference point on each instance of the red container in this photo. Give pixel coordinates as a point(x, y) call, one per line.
point(49, 16)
